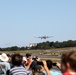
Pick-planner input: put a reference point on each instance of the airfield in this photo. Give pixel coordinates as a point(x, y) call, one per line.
point(52, 54)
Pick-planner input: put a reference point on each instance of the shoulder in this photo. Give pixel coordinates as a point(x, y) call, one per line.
point(19, 70)
point(5, 63)
point(54, 72)
point(66, 73)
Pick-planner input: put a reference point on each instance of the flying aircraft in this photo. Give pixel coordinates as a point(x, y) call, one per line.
point(44, 37)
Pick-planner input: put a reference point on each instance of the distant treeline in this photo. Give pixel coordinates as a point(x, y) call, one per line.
point(44, 45)
point(49, 45)
point(13, 48)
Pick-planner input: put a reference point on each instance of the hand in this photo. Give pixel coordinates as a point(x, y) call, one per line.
point(58, 65)
point(38, 59)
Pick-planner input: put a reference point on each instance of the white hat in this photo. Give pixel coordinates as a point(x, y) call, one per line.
point(4, 57)
point(24, 59)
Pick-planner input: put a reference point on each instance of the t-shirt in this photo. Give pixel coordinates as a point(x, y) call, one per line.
point(4, 67)
point(53, 72)
point(67, 73)
point(19, 71)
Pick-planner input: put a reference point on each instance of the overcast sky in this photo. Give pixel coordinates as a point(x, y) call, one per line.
point(22, 20)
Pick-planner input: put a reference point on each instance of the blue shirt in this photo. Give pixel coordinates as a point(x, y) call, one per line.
point(53, 72)
point(4, 67)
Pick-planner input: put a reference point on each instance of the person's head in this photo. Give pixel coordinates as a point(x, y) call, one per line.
point(16, 59)
point(64, 61)
point(28, 55)
point(49, 64)
point(24, 61)
point(68, 61)
point(9, 56)
point(38, 73)
point(71, 61)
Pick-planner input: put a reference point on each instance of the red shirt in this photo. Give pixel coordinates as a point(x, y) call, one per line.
point(67, 73)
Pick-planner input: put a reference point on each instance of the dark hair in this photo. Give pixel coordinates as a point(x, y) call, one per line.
point(69, 57)
point(38, 73)
point(27, 55)
point(64, 58)
point(49, 64)
point(16, 59)
point(8, 55)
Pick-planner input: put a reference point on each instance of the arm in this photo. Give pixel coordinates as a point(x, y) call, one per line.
point(58, 65)
point(46, 68)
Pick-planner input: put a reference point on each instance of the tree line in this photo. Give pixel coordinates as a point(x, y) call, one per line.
point(43, 45)
point(13, 48)
point(49, 45)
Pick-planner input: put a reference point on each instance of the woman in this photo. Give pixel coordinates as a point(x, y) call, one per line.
point(68, 63)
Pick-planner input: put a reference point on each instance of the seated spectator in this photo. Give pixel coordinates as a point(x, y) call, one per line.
point(18, 69)
point(68, 63)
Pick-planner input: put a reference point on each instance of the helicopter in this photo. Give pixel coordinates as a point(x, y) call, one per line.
point(44, 37)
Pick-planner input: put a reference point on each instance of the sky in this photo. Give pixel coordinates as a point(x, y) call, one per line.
point(22, 20)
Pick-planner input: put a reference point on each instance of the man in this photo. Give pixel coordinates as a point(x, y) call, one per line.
point(18, 69)
point(49, 66)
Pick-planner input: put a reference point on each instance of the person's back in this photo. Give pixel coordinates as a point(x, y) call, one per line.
point(4, 67)
point(18, 69)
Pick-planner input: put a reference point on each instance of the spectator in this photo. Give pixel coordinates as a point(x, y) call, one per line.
point(68, 63)
point(34, 66)
point(9, 61)
point(52, 72)
point(18, 69)
point(24, 61)
point(45, 67)
point(28, 57)
point(4, 65)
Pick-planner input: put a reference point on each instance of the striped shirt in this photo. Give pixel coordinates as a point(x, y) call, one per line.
point(19, 71)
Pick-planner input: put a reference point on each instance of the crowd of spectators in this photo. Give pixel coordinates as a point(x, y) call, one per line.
point(17, 64)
